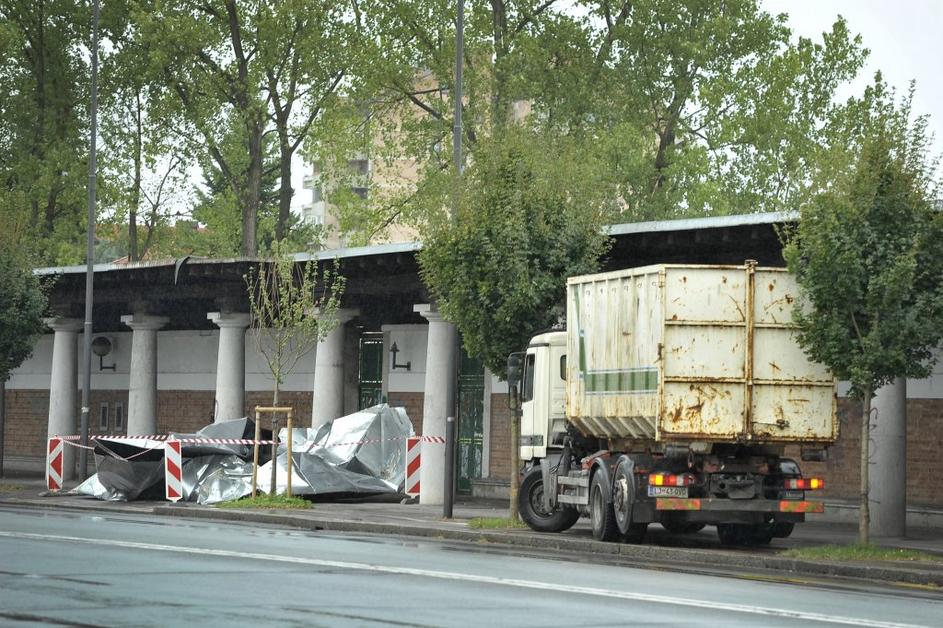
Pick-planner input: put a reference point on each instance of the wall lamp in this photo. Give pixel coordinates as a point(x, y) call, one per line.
point(101, 346)
point(393, 351)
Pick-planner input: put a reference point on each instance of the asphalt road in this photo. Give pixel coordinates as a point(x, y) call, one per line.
point(78, 569)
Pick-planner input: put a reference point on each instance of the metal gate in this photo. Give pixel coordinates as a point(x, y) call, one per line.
point(471, 390)
point(370, 375)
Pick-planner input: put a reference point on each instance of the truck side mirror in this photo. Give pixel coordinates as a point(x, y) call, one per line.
point(515, 360)
point(514, 369)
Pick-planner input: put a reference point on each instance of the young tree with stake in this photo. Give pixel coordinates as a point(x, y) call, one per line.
point(868, 254)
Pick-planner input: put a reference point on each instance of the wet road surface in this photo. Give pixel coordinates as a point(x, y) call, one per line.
point(83, 569)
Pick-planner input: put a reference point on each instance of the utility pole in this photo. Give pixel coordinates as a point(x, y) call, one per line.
point(457, 127)
point(90, 251)
point(457, 203)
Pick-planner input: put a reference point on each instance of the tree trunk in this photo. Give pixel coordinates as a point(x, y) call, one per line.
point(864, 513)
point(272, 490)
point(136, 190)
point(3, 390)
point(499, 104)
point(252, 192)
point(515, 464)
point(285, 190)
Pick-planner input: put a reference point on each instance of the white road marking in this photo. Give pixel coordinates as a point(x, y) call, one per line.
point(447, 575)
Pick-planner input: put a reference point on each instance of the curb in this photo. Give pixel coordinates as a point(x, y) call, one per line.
point(560, 542)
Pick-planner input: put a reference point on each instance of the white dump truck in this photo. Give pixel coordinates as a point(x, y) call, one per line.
point(670, 399)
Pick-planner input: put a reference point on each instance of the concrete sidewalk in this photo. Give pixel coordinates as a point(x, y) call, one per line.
point(386, 515)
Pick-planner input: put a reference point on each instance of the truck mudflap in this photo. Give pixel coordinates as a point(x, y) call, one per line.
point(747, 505)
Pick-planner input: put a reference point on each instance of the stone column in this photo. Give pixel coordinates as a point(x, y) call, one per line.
point(327, 402)
point(142, 388)
point(888, 495)
point(230, 364)
point(63, 386)
point(438, 401)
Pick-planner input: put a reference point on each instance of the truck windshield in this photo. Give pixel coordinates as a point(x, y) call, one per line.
point(527, 391)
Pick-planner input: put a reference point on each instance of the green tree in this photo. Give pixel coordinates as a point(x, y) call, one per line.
point(868, 254)
point(292, 309)
point(22, 305)
point(530, 216)
point(43, 146)
point(143, 157)
point(400, 109)
point(713, 106)
point(259, 69)
point(694, 107)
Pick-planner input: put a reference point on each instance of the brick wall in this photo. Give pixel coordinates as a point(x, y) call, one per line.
point(27, 414)
point(25, 421)
point(500, 462)
point(298, 401)
point(412, 401)
point(924, 453)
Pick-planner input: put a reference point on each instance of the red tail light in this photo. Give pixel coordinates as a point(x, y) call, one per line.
point(670, 479)
point(804, 484)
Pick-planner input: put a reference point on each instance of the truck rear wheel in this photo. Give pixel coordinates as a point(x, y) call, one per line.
point(744, 534)
point(535, 514)
point(601, 513)
point(623, 498)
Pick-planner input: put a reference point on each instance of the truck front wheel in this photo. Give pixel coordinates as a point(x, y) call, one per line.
point(601, 513)
point(532, 509)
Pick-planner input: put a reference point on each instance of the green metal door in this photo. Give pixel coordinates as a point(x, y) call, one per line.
point(471, 392)
point(370, 384)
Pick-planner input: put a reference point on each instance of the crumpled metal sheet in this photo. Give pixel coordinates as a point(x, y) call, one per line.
point(214, 479)
point(126, 469)
point(361, 453)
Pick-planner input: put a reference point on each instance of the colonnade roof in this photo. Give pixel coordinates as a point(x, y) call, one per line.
point(383, 280)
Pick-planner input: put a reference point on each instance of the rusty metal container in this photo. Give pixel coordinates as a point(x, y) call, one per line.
point(693, 353)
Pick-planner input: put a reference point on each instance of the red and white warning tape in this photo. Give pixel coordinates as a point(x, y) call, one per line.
point(55, 477)
point(115, 437)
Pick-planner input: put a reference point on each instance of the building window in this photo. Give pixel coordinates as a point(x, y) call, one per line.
point(359, 166)
point(119, 416)
point(316, 194)
point(103, 417)
point(360, 191)
point(527, 393)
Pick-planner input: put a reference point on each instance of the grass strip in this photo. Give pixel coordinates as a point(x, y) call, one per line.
point(282, 502)
point(861, 553)
point(495, 523)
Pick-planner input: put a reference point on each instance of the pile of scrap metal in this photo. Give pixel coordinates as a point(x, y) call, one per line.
point(359, 454)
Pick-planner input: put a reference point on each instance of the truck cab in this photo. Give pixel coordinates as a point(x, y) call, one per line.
point(543, 395)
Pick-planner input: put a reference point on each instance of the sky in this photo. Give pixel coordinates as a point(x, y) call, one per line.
point(905, 38)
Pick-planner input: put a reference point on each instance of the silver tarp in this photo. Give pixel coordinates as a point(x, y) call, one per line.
point(364, 453)
point(361, 453)
point(126, 469)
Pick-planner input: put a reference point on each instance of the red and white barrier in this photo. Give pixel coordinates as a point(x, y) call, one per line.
point(173, 470)
point(413, 460)
point(54, 460)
